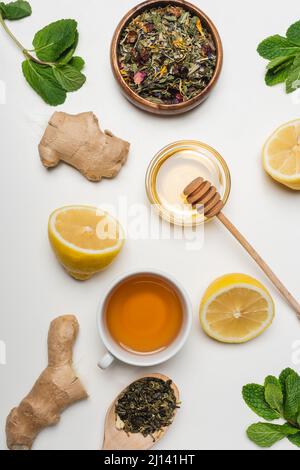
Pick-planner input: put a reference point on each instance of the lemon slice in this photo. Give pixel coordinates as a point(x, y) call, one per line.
point(281, 155)
point(236, 308)
point(85, 239)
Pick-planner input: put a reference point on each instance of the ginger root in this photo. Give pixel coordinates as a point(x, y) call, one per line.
point(56, 389)
point(79, 141)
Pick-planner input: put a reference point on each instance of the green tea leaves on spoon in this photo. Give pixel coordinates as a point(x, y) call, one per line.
point(147, 406)
point(284, 56)
point(53, 70)
point(15, 10)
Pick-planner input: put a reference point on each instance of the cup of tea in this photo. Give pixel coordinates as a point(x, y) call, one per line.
point(144, 319)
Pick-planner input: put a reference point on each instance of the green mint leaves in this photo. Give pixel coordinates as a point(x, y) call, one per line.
point(54, 70)
point(15, 10)
point(266, 434)
point(69, 78)
point(276, 46)
point(41, 78)
point(50, 43)
point(254, 396)
point(284, 56)
point(274, 394)
point(277, 398)
point(293, 33)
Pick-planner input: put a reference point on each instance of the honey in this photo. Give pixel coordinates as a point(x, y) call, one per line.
point(173, 168)
point(144, 314)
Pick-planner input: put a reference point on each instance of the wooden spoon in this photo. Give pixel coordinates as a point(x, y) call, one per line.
point(115, 439)
point(202, 193)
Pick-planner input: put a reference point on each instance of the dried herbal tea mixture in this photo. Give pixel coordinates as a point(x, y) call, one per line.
point(166, 55)
point(147, 406)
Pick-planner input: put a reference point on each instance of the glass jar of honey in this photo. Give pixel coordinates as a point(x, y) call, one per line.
point(173, 168)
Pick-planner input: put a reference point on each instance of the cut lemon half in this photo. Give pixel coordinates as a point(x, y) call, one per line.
point(85, 239)
point(281, 155)
point(236, 308)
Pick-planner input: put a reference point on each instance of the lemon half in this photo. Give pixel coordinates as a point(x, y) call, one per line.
point(85, 239)
point(281, 155)
point(236, 308)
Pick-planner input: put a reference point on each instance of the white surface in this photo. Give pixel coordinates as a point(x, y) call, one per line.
point(236, 120)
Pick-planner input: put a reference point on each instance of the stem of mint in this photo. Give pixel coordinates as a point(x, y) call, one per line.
point(24, 51)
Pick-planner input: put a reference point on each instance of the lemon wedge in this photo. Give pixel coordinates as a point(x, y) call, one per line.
point(85, 239)
point(281, 155)
point(236, 308)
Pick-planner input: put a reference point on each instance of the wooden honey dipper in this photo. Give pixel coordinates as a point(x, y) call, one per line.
point(202, 192)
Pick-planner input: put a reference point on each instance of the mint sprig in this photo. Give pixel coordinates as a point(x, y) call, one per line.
point(50, 67)
point(276, 399)
point(284, 56)
point(15, 10)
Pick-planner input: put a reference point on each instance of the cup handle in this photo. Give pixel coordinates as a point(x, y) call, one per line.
point(106, 361)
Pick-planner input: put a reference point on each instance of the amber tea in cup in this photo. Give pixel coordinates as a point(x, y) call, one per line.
point(144, 314)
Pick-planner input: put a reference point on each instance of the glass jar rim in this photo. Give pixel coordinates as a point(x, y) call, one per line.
point(161, 157)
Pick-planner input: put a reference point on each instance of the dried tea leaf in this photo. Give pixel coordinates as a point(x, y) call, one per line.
point(167, 55)
point(147, 406)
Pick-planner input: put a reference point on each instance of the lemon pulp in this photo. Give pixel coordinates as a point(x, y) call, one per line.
point(281, 155)
point(236, 308)
point(84, 239)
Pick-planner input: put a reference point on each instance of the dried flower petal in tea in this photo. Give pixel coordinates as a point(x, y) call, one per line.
point(167, 55)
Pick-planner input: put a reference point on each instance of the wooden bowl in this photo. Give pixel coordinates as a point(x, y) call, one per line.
point(165, 109)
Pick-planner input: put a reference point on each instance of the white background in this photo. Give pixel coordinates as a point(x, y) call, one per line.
point(236, 120)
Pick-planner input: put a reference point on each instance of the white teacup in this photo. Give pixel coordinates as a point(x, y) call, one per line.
point(115, 351)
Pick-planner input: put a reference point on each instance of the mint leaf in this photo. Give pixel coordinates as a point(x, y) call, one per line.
point(295, 439)
point(15, 10)
point(293, 80)
point(297, 61)
point(284, 375)
point(78, 63)
point(254, 396)
point(266, 434)
point(280, 63)
point(283, 378)
point(277, 76)
point(293, 33)
point(68, 54)
point(277, 46)
point(69, 78)
point(273, 393)
point(42, 80)
point(292, 399)
point(50, 42)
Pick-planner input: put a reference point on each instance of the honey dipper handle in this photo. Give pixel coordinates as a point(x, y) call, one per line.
point(267, 270)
